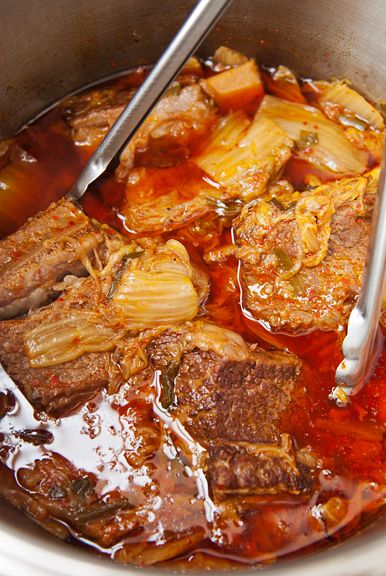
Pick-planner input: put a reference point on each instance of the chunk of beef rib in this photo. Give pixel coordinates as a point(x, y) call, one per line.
point(233, 408)
point(53, 490)
point(59, 388)
point(48, 247)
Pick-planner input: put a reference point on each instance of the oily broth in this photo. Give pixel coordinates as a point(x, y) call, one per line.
point(350, 447)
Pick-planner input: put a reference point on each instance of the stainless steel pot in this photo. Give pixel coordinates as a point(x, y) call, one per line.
point(50, 48)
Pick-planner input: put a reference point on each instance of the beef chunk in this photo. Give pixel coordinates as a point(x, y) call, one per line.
point(232, 406)
point(42, 252)
point(233, 400)
point(246, 468)
point(180, 118)
point(53, 488)
point(303, 257)
point(59, 355)
point(61, 387)
point(92, 114)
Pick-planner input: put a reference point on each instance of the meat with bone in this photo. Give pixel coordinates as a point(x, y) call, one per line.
point(302, 257)
point(49, 246)
point(63, 386)
point(66, 500)
point(181, 117)
point(231, 403)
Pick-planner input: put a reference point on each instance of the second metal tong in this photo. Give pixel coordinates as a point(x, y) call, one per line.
point(364, 338)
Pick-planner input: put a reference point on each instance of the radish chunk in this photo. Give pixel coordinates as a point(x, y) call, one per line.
point(236, 87)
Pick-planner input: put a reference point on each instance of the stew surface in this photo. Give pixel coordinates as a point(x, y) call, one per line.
point(172, 342)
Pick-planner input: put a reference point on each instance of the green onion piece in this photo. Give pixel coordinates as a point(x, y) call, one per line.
point(275, 202)
point(119, 274)
point(133, 255)
point(99, 510)
point(286, 264)
point(167, 384)
point(283, 258)
point(307, 139)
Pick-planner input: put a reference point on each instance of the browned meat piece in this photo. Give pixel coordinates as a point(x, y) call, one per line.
point(245, 468)
point(49, 246)
point(303, 257)
point(61, 387)
point(178, 121)
point(233, 407)
point(92, 114)
point(234, 400)
point(182, 116)
point(53, 488)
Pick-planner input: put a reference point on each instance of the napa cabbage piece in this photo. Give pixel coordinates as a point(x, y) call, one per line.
point(140, 288)
point(163, 200)
point(243, 157)
point(361, 122)
point(157, 289)
point(166, 213)
point(223, 342)
point(347, 100)
point(319, 141)
point(225, 57)
point(68, 338)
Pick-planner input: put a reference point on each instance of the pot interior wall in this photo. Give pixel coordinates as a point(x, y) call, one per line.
point(52, 48)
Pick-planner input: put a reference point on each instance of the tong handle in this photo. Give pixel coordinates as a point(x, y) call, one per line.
point(364, 338)
point(185, 43)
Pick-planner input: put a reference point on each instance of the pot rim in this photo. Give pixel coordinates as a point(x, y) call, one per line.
point(362, 554)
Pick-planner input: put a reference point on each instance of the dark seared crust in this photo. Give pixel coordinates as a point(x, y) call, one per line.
point(239, 401)
point(244, 468)
point(60, 388)
point(42, 252)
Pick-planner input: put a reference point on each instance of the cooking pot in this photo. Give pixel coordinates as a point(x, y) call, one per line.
point(50, 48)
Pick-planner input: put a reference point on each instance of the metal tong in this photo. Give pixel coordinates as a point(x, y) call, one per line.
point(184, 44)
point(363, 342)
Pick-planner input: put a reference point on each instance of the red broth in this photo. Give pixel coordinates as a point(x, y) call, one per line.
point(350, 442)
